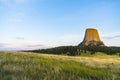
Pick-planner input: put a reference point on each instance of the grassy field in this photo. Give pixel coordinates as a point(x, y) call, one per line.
point(32, 66)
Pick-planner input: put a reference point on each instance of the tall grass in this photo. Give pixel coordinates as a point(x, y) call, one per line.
point(30, 66)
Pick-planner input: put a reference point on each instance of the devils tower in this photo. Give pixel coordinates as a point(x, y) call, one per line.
point(91, 38)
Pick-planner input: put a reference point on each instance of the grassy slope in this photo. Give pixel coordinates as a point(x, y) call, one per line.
point(31, 66)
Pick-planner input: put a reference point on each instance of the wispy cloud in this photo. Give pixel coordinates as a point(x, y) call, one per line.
point(68, 39)
point(12, 1)
point(111, 37)
point(16, 17)
point(10, 46)
point(20, 38)
point(2, 44)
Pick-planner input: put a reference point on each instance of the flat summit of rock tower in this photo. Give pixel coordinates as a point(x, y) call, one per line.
point(91, 38)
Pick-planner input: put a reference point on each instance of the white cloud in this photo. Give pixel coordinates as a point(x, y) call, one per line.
point(68, 39)
point(20, 38)
point(12, 1)
point(13, 46)
point(111, 37)
point(16, 17)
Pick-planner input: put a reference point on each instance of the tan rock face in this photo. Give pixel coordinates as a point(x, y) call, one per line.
point(91, 38)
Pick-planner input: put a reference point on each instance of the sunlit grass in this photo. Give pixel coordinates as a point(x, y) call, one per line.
point(32, 66)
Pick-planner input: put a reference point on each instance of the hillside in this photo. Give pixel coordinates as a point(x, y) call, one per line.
point(78, 50)
point(32, 66)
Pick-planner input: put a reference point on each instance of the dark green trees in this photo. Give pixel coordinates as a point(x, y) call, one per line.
point(78, 50)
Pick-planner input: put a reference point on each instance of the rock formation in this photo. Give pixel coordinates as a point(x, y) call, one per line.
point(91, 38)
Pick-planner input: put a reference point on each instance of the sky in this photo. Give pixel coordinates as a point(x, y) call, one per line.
point(36, 24)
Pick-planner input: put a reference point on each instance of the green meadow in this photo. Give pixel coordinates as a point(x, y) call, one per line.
point(34, 66)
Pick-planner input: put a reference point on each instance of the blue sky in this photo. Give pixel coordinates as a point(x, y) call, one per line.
point(33, 24)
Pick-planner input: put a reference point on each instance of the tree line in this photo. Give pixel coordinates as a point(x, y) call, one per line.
point(78, 50)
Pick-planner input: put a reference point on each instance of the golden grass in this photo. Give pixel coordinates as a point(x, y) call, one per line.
point(30, 66)
point(97, 60)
